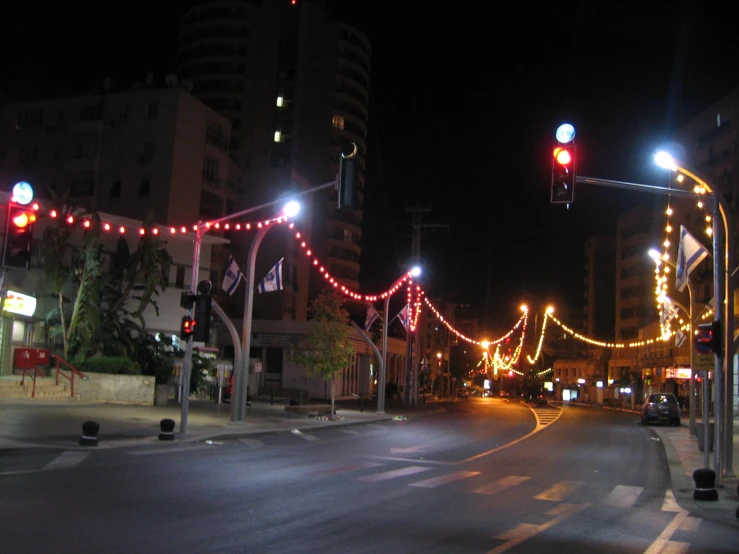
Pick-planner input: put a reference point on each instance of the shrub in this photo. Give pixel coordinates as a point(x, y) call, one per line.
point(110, 365)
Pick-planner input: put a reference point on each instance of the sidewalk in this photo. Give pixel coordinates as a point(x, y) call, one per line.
point(34, 424)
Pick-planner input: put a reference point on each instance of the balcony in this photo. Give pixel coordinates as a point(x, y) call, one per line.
point(89, 127)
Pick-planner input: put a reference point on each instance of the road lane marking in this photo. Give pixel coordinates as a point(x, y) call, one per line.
point(252, 443)
point(524, 531)
point(350, 432)
point(309, 438)
point(502, 484)
point(669, 504)
point(559, 491)
point(166, 450)
point(623, 496)
point(385, 475)
point(444, 479)
point(663, 544)
point(344, 469)
point(66, 459)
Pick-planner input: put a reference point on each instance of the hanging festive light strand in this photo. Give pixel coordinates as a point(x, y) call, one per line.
point(606, 344)
point(541, 339)
point(462, 336)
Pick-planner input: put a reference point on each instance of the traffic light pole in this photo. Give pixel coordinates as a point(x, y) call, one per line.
point(723, 240)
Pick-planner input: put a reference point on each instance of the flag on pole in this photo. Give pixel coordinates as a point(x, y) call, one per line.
point(679, 338)
point(403, 316)
point(372, 316)
point(273, 280)
point(669, 310)
point(689, 254)
point(232, 276)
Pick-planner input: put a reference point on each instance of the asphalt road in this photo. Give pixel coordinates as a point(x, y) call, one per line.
point(486, 476)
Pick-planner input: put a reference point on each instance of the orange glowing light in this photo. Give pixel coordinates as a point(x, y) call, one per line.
point(562, 155)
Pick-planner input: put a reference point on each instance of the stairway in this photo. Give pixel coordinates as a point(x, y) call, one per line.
point(46, 389)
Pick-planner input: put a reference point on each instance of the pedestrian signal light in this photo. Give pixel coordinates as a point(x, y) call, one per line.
point(708, 338)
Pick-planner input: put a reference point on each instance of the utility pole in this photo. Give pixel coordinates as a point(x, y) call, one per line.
point(413, 357)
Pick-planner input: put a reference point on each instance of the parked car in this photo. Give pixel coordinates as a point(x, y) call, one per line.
point(662, 407)
point(462, 393)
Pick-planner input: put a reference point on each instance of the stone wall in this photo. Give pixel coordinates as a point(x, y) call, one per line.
point(124, 389)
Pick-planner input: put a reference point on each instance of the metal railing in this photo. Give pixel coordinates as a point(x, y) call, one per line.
point(72, 371)
point(36, 372)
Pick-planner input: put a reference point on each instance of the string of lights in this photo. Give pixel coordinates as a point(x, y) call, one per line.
point(604, 344)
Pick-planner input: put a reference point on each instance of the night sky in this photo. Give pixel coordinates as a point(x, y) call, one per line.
point(464, 107)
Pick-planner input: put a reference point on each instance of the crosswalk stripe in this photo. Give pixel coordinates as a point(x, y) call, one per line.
point(385, 475)
point(69, 458)
point(660, 545)
point(502, 484)
point(309, 438)
point(444, 479)
point(559, 491)
point(350, 432)
point(344, 469)
point(252, 443)
point(675, 547)
point(623, 496)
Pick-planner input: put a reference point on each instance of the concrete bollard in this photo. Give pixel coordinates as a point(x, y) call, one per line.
point(705, 480)
point(89, 433)
point(166, 430)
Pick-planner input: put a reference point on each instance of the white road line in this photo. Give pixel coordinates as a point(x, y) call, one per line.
point(350, 432)
point(502, 484)
point(344, 469)
point(444, 479)
point(385, 475)
point(623, 496)
point(524, 531)
point(662, 544)
point(68, 458)
point(559, 491)
point(309, 438)
point(165, 450)
point(252, 443)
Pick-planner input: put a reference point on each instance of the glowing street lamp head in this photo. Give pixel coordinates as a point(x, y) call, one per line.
point(565, 133)
point(524, 308)
point(416, 271)
point(485, 344)
point(550, 309)
point(656, 256)
point(665, 160)
point(291, 209)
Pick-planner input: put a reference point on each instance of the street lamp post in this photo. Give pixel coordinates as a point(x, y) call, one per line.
point(416, 271)
point(723, 289)
point(691, 314)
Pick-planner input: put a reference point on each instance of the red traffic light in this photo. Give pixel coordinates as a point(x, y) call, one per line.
point(24, 219)
point(562, 155)
point(187, 327)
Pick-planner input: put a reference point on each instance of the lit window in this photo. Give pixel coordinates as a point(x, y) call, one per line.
point(338, 121)
point(278, 136)
point(280, 101)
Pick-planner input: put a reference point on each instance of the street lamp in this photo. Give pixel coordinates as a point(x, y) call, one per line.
point(723, 290)
point(657, 257)
point(241, 381)
point(415, 272)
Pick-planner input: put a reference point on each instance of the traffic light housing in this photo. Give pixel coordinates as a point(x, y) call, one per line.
point(202, 315)
point(187, 327)
point(18, 236)
point(347, 184)
point(708, 338)
point(563, 174)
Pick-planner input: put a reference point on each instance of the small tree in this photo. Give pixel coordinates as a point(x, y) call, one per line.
point(327, 348)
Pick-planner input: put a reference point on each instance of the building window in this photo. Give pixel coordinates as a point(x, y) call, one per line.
point(115, 189)
point(210, 170)
point(280, 102)
point(338, 121)
point(144, 187)
point(30, 118)
point(152, 110)
point(278, 136)
point(180, 277)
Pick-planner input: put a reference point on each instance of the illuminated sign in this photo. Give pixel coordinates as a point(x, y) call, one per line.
point(548, 385)
point(17, 303)
point(677, 373)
